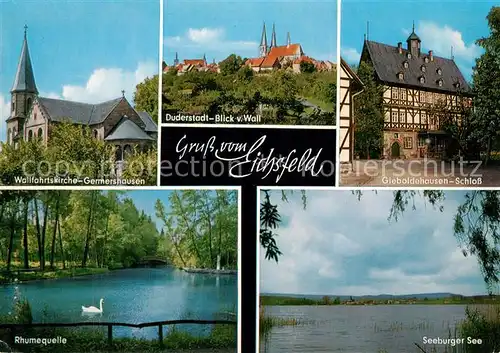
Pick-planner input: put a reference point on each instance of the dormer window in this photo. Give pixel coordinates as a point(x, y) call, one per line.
point(439, 71)
point(426, 59)
point(440, 82)
point(405, 64)
point(457, 85)
point(401, 76)
point(408, 55)
point(422, 79)
point(422, 68)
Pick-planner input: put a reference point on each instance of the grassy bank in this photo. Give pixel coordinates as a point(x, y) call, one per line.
point(95, 339)
point(36, 274)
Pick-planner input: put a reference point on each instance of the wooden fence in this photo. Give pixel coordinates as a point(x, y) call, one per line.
point(110, 326)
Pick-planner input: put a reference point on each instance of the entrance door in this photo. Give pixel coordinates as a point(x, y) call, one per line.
point(395, 150)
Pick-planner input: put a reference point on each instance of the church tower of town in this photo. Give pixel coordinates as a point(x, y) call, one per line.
point(23, 93)
point(263, 42)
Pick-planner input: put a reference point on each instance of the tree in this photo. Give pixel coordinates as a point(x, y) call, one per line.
point(146, 96)
point(460, 124)
point(142, 165)
point(201, 227)
point(486, 79)
point(231, 64)
point(307, 67)
point(368, 115)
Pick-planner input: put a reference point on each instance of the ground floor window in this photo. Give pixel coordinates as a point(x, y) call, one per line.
point(408, 142)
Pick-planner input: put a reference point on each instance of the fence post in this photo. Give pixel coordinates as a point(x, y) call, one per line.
point(160, 335)
point(110, 334)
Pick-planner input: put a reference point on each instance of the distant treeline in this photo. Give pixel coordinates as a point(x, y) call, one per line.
point(59, 230)
point(327, 300)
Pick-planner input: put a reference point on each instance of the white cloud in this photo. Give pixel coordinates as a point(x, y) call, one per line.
point(107, 83)
point(442, 38)
point(342, 246)
point(209, 39)
point(205, 35)
point(350, 55)
point(4, 114)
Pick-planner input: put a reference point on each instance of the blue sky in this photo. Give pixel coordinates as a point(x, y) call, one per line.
point(80, 50)
point(219, 28)
point(342, 246)
point(440, 25)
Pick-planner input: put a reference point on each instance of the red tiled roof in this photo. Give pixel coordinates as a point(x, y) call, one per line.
point(254, 62)
point(199, 62)
point(304, 58)
point(285, 50)
point(269, 61)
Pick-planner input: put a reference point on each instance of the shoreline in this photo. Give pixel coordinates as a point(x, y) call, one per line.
point(210, 271)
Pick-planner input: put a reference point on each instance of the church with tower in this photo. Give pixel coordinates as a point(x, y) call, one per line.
point(33, 116)
point(290, 55)
point(271, 57)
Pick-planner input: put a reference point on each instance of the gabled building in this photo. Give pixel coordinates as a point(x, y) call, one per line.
point(189, 65)
point(274, 56)
point(114, 121)
point(415, 85)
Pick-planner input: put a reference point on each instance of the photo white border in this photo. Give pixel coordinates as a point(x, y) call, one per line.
point(255, 126)
point(166, 188)
point(160, 85)
point(337, 105)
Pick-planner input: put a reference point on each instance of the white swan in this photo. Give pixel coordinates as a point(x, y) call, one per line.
point(93, 309)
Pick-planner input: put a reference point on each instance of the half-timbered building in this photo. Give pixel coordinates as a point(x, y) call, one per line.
point(417, 88)
point(350, 86)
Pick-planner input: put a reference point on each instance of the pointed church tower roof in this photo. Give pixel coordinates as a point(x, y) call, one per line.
point(25, 79)
point(273, 37)
point(288, 40)
point(263, 40)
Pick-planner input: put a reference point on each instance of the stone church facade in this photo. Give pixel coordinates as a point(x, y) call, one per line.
point(115, 121)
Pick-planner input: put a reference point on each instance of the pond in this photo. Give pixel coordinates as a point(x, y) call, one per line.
point(130, 296)
point(360, 329)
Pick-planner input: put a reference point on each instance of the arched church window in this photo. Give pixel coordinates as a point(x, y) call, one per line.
point(118, 153)
point(28, 104)
point(127, 150)
point(30, 135)
point(95, 133)
point(9, 136)
point(40, 132)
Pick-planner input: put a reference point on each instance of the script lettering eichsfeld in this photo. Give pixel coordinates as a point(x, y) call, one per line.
point(269, 164)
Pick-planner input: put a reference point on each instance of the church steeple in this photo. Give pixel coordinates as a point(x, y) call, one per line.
point(273, 37)
point(288, 40)
point(176, 60)
point(24, 80)
point(263, 42)
point(23, 94)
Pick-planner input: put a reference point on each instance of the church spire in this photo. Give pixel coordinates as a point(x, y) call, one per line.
point(25, 79)
point(273, 37)
point(288, 40)
point(263, 42)
point(176, 60)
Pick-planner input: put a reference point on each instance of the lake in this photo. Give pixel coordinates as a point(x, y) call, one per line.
point(360, 329)
point(130, 296)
